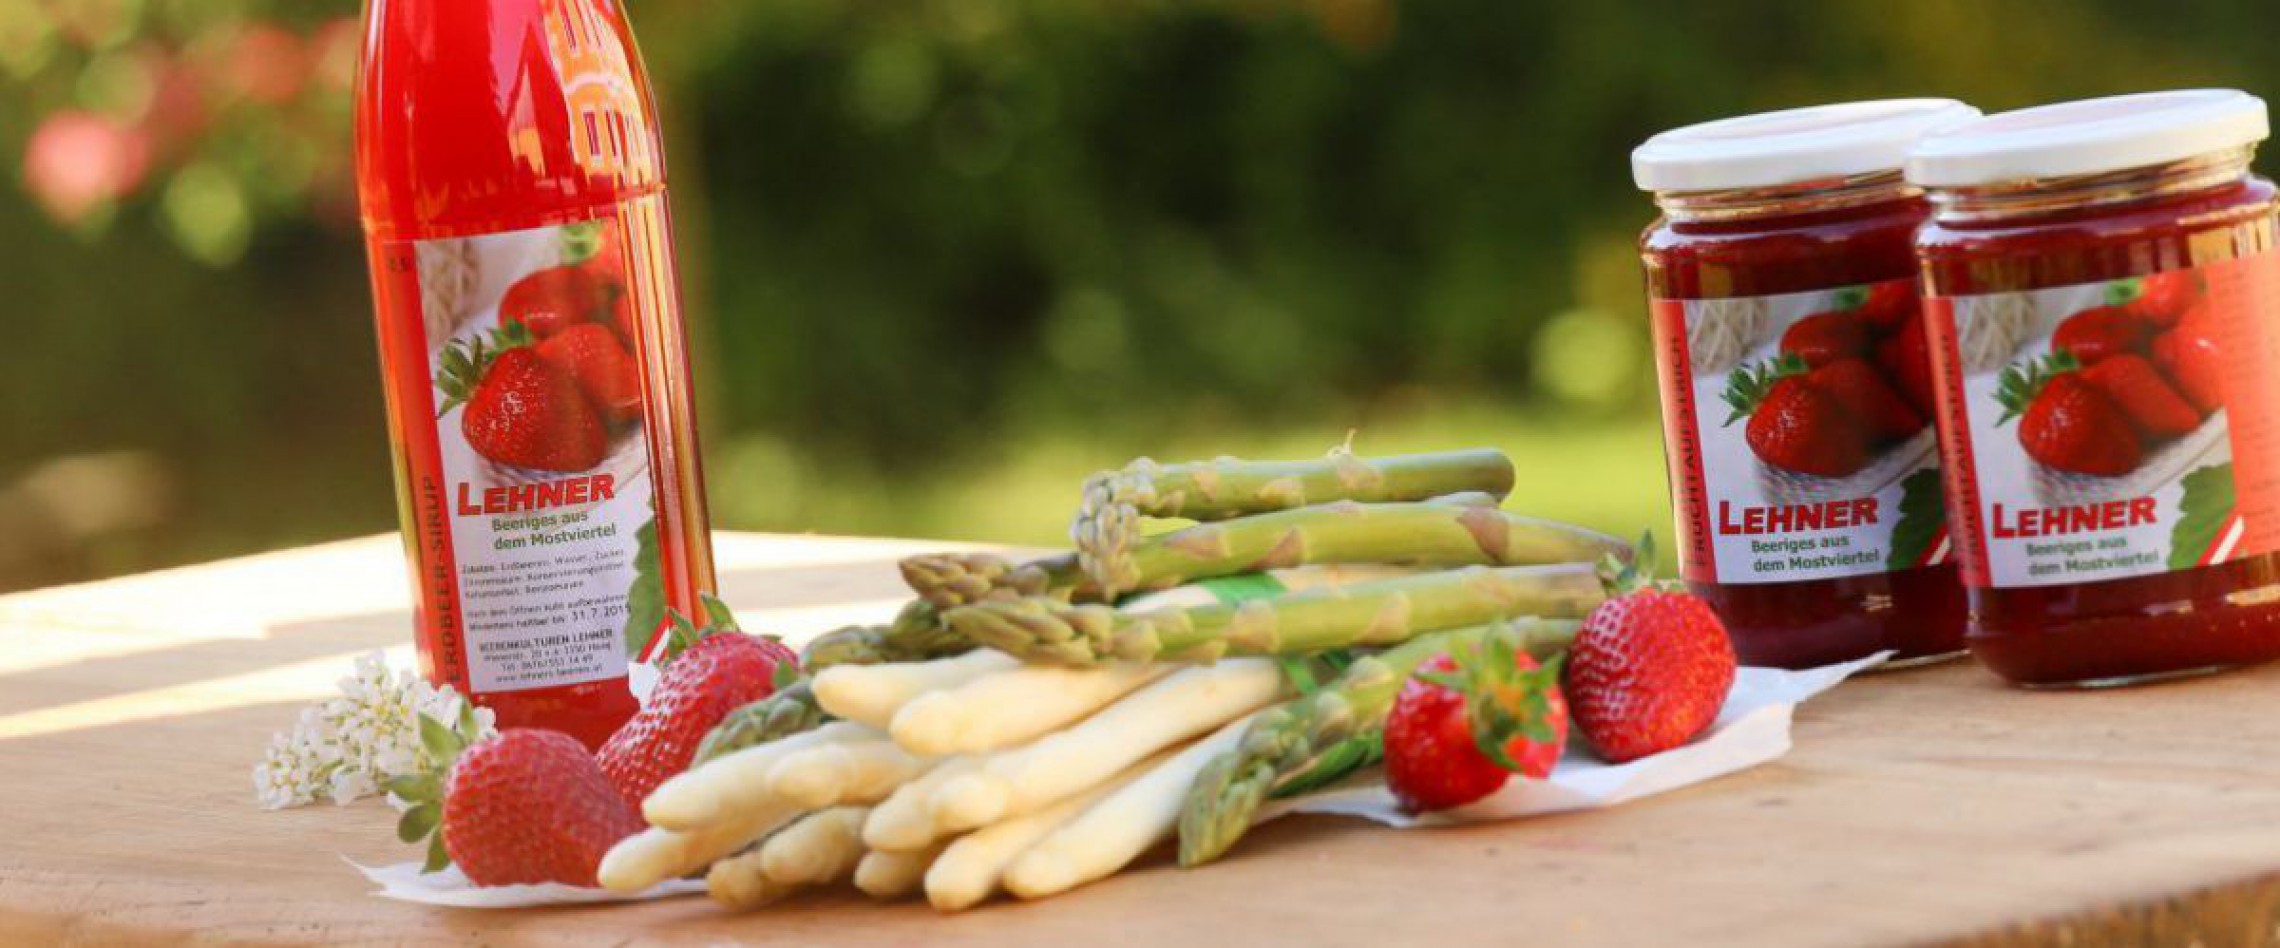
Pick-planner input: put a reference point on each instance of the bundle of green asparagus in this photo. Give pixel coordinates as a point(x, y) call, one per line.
point(1029, 726)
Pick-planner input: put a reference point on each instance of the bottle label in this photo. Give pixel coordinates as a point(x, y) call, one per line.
point(534, 499)
point(1797, 431)
point(2113, 429)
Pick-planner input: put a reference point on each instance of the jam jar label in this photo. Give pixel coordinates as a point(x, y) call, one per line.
point(2112, 429)
point(1797, 427)
point(535, 492)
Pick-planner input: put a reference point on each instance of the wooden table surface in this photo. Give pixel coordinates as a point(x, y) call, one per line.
point(1918, 806)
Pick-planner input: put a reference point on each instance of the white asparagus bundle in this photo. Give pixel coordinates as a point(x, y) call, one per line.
point(892, 875)
point(1013, 707)
point(656, 854)
point(857, 772)
point(735, 782)
point(1111, 833)
point(905, 819)
point(871, 694)
point(973, 866)
point(1190, 702)
point(821, 848)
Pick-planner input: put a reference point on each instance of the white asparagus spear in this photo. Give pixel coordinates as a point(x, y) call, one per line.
point(855, 772)
point(1013, 707)
point(818, 849)
point(905, 819)
point(886, 875)
point(1192, 701)
point(1114, 831)
point(974, 865)
point(871, 694)
point(655, 854)
point(821, 847)
point(698, 797)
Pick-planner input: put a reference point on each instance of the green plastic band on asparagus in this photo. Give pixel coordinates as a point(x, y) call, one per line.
point(950, 580)
point(1107, 523)
point(1382, 613)
point(1314, 740)
point(791, 710)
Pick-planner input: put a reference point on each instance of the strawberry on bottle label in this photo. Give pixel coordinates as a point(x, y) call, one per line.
point(2112, 429)
point(1798, 428)
point(546, 495)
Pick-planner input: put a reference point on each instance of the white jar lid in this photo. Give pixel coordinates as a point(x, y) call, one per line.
point(1791, 146)
point(2089, 137)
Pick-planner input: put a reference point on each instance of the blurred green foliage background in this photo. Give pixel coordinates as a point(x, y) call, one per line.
point(945, 257)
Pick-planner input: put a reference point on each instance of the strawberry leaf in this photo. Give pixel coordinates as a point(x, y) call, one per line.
point(645, 598)
point(438, 858)
point(2205, 510)
point(416, 788)
point(418, 822)
point(441, 742)
point(2119, 292)
point(717, 613)
point(1850, 298)
point(1923, 515)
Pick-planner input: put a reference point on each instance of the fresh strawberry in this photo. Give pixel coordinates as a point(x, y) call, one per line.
point(1649, 671)
point(1906, 359)
point(1793, 424)
point(1459, 730)
point(2163, 298)
point(2095, 335)
point(600, 251)
point(1825, 337)
point(1887, 306)
point(2192, 360)
point(519, 409)
point(1865, 395)
point(530, 806)
point(720, 671)
point(594, 359)
point(552, 300)
point(2132, 383)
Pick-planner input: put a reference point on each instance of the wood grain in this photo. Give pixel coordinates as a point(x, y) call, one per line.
point(1919, 806)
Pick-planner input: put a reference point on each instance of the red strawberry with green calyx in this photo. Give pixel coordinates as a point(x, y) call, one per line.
point(1825, 337)
point(1887, 306)
point(1463, 725)
point(554, 299)
point(2095, 335)
point(2065, 422)
point(708, 672)
point(516, 408)
point(1650, 668)
point(2159, 300)
point(1793, 424)
point(525, 806)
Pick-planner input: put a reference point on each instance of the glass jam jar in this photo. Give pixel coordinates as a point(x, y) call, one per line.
point(2103, 301)
point(1797, 393)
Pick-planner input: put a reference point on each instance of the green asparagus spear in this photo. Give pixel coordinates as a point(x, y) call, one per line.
point(791, 710)
point(1385, 612)
point(1460, 530)
point(916, 635)
point(1315, 739)
point(1107, 524)
point(950, 580)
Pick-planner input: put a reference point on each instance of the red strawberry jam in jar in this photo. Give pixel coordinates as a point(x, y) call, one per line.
point(2103, 301)
point(1797, 393)
point(513, 193)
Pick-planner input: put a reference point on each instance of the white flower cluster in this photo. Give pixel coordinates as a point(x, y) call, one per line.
point(348, 747)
